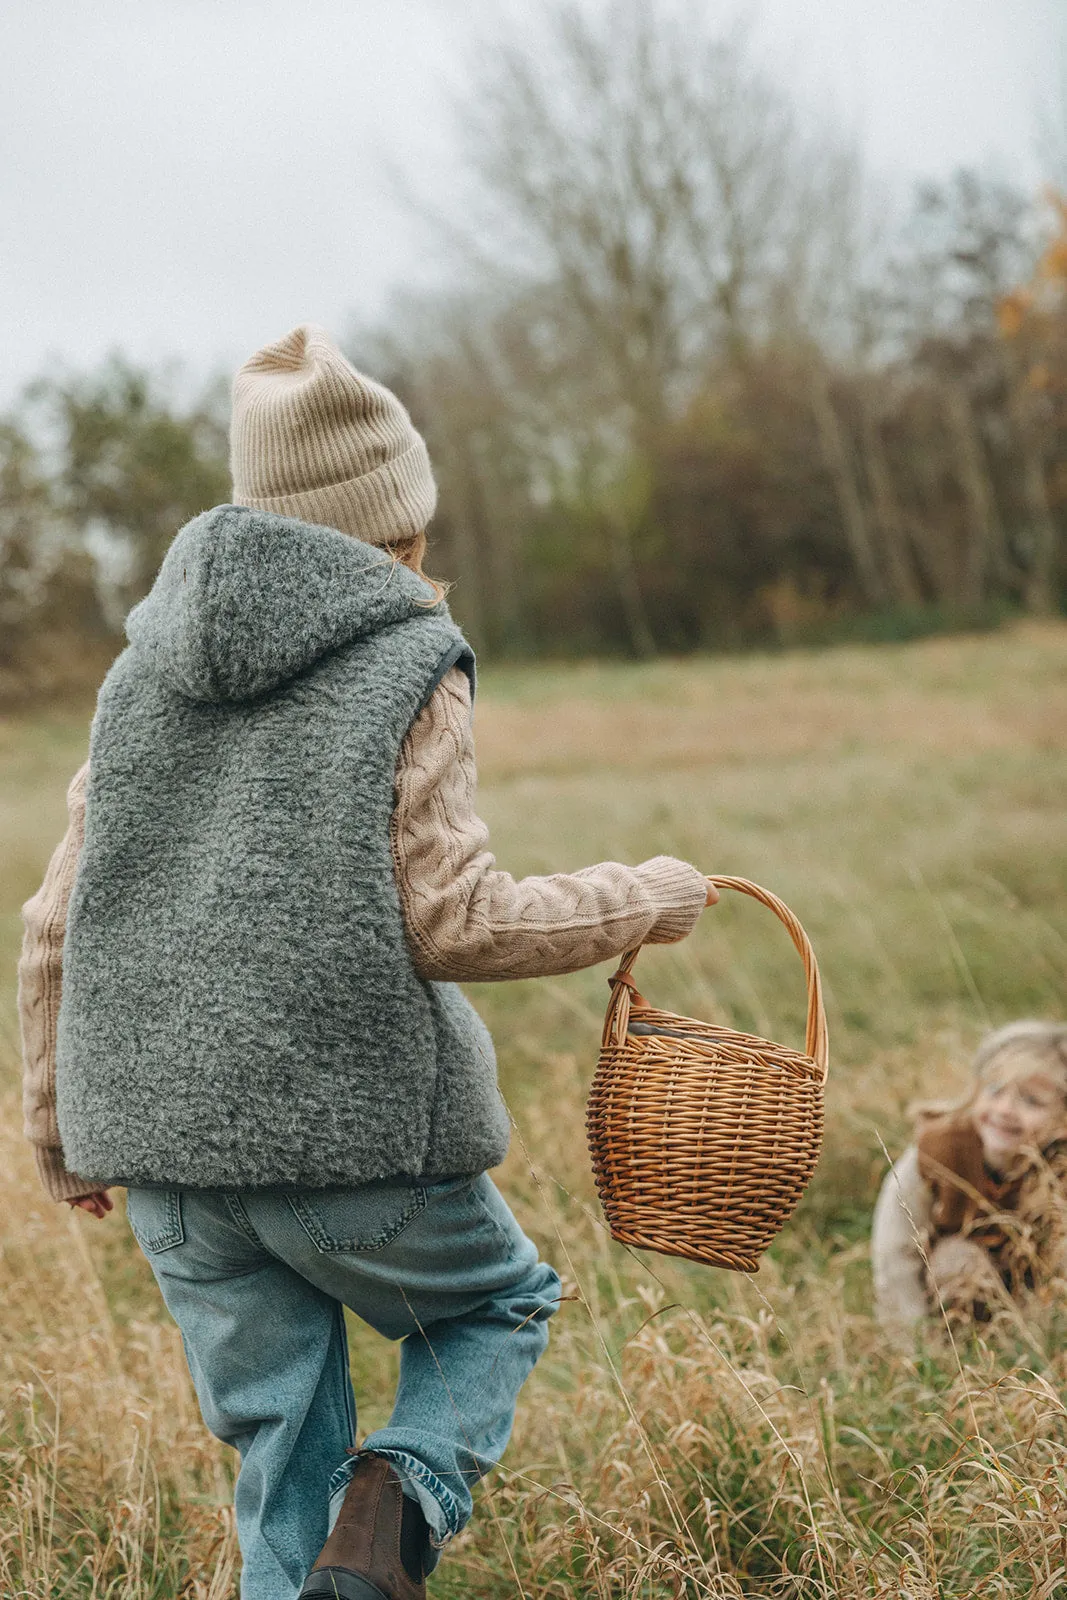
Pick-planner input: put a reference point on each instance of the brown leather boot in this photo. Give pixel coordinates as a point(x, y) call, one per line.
point(376, 1549)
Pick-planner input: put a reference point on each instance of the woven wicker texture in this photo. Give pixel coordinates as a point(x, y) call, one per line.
point(704, 1139)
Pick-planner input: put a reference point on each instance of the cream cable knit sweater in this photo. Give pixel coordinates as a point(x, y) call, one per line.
point(466, 921)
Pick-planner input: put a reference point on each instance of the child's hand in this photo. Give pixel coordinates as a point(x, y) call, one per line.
point(97, 1205)
point(713, 894)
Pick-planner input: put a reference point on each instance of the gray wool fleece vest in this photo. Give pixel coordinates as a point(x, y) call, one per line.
point(240, 1007)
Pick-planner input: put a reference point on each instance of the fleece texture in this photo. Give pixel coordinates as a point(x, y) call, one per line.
point(240, 1007)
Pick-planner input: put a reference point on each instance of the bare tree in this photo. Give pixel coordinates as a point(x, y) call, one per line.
point(653, 173)
point(985, 544)
point(972, 243)
point(655, 192)
point(839, 464)
point(889, 517)
point(678, 372)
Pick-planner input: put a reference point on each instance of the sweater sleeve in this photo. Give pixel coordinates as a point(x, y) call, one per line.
point(898, 1241)
point(40, 988)
point(467, 921)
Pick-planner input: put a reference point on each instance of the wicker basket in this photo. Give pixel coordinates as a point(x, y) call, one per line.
point(703, 1139)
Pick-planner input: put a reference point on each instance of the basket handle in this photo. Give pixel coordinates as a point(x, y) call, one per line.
point(625, 995)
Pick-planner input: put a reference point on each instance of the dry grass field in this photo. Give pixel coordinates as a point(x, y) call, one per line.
point(690, 1433)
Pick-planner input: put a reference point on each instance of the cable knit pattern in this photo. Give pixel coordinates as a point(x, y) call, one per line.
point(468, 922)
point(40, 987)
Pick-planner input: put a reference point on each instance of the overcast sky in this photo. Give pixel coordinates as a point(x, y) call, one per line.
point(191, 178)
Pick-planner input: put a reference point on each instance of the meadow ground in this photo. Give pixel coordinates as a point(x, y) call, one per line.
point(690, 1432)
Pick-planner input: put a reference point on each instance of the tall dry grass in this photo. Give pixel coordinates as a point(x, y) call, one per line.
point(689, 1433)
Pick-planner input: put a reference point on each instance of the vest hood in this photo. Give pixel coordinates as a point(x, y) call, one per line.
point(245, 600)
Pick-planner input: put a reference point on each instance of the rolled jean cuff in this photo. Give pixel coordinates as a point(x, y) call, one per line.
point(437, 1502)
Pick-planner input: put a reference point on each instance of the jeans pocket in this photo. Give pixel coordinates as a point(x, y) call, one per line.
point(444, 1188)
point(155, 1215)
point(355, 1221)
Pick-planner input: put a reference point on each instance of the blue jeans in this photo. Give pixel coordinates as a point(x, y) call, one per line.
point(256, 1281)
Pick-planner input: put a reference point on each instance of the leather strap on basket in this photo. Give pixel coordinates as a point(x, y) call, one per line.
point(625, 995)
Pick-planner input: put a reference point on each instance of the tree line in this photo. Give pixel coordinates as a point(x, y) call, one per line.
point(690, 385)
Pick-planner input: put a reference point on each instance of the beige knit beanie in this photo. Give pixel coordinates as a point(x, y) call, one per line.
point(310, 437)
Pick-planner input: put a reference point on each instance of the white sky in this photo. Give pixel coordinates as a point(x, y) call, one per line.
point(190, 178)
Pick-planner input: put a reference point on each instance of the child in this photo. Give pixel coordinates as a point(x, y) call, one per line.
point(973, 1211)
point(272, 877)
